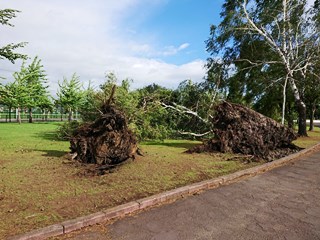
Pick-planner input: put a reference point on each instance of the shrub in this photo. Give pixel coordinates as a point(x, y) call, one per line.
point(67, 130)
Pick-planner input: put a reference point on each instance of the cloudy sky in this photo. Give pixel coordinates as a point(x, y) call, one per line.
point(158, 41)
point(149, 41)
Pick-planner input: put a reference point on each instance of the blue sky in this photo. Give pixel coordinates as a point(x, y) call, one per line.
point(158, 41)
point(178, 22)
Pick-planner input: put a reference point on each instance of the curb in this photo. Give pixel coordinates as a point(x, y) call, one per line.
point(141, 204)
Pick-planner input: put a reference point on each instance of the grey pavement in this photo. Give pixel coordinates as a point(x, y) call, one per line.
point(283, 203)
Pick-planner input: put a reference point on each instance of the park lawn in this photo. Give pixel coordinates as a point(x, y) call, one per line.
point(39, 186)
point(312, 139)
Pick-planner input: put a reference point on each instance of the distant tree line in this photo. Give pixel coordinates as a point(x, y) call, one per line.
point(264, 54)
point(145, 107)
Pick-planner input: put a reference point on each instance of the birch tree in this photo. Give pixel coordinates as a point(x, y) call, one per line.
point(287, 31)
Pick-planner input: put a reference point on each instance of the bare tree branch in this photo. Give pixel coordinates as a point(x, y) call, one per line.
point(196, 134)
point(184, 110)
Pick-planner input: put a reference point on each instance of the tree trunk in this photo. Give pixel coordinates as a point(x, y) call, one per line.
point(302, 121)
point(290, 117)
point(302, 109)
point(46, 115)
point(290, 123)
point(19, 116)
point(312, 111)
point(30, 115)
point(61, 112)
point(10, 114)
point(284, 93)
point(70, 115)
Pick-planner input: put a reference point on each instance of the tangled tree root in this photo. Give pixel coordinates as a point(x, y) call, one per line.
point(107, 142)
point(239, 129)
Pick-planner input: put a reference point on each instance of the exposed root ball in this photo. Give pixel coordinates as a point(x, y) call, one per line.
point(239, 129)
point(107, 141)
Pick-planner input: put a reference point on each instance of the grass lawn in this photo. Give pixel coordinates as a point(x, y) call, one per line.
point(39, 186)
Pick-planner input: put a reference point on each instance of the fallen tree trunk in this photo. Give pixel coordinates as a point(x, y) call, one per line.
point(108, 141)
point(239, 129)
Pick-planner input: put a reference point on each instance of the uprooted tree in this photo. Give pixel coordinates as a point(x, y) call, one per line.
point(238, 129)
point(107, 141)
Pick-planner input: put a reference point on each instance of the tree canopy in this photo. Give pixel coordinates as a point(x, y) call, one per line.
point(70, 94)
point(28, 89)
point(8, 51)
point(267, 46)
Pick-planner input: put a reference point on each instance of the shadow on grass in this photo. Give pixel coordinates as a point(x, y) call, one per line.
point(52, 136)
point(175, 144)
point(52, 153)
point(48, 123)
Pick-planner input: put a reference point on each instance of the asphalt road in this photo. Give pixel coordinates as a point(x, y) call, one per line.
point(281, 204)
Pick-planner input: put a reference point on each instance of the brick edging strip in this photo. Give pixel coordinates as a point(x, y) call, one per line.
point(171, 195)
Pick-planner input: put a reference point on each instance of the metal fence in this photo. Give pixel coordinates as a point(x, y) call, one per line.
point(48, 117)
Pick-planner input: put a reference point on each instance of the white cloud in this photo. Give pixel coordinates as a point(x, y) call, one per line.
point(168, 75)
point(150, 51)
point(172, 50)
point(183, 46)
point(91, 38)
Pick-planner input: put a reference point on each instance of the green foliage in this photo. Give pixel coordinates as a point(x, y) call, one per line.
point(70, 94)
point(152, 121)
point(15, 95)
point(67, 130)
point(7, 95)
point(261, 44)
point(146, 117)
point(145, 111)
point(28, 90)
point(124, 99)
point(6, 15)
point(89, 107)
point(199, 98)
point(34, 79)
point(7, 52)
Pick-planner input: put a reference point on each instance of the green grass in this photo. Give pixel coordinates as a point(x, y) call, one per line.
point(39, 186)
point(312, 139)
